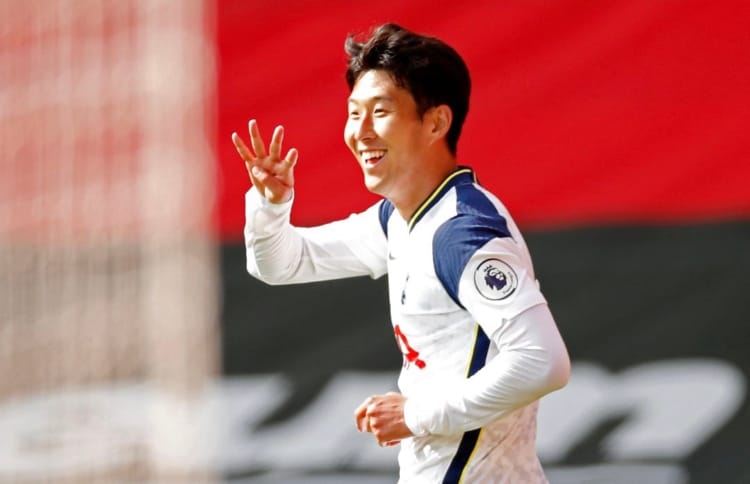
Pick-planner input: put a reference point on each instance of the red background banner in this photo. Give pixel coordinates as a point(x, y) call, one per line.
point(582, 113)
point(621, 123)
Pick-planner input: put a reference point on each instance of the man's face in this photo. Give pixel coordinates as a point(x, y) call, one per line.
point(385, 134)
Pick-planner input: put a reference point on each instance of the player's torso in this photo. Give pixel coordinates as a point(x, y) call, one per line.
point(438, 339)
point(434, 333)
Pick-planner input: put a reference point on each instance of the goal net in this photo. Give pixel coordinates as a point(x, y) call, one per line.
point(108, 274)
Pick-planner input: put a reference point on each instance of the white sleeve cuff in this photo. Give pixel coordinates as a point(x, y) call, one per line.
point(263, 217)
point(411, 417)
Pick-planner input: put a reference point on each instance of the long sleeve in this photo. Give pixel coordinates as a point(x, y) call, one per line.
point(532, 361)
point(279, 253)
point(496, 286)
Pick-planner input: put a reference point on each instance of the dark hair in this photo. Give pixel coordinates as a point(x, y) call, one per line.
point(428, 68)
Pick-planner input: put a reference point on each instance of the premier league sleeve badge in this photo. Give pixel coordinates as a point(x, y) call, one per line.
point(495, 280)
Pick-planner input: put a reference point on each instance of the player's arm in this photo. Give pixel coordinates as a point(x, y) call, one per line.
point(531, 363)
point(279, 253)
point(531, 360)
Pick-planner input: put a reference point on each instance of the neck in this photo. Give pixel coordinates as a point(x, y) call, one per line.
point(422, 184)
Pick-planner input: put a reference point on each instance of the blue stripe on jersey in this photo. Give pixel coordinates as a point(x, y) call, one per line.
point(479, 353)
point(469, 440)
point(476, 222)
point(458, 464)
point(386, 209)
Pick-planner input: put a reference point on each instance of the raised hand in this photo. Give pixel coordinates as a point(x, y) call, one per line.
point(271, 174)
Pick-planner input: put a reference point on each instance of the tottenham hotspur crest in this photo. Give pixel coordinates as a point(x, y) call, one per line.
point(495, 280)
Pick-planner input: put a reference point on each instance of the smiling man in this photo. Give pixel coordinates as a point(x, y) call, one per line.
point(480, 346)
point(401, 150)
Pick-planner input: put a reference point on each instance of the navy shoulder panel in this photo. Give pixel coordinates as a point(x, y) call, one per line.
point(477, 222)
point(386, 209)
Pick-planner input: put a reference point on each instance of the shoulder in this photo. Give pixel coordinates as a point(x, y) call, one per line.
point(479, 218)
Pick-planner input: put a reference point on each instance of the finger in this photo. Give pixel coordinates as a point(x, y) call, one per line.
point(360, 415)
point(371, 405)
point(274, 149)
point(360, 410)
point(372, 411)
point(291, 158)
point(256, 140)
point(242, 148)
point(285, 169)
point(361, 424)
point(359, 418)
point(248, 158)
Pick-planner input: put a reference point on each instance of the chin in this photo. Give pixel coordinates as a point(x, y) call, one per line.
point(373, 184)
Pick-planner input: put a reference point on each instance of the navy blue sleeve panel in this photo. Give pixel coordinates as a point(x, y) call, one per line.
point(476, 223)
point(386, 209)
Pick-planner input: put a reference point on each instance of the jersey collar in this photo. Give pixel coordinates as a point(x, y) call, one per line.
point(461, 176)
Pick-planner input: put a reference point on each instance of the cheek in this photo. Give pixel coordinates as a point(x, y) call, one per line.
point(382, 127)
point(349, 136)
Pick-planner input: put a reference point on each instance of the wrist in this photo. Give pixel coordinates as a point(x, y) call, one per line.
point(277, 206)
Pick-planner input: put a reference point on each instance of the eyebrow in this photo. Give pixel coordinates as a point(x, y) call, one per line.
point(352, 100)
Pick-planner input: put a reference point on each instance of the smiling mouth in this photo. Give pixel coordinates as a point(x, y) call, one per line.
point(372, 157)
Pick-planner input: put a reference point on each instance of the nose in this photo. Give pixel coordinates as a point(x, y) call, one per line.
point(364, 128)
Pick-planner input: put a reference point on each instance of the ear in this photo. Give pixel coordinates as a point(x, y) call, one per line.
point(440, 118)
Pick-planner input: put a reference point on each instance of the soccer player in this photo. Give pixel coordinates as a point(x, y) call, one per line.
point(480, 346)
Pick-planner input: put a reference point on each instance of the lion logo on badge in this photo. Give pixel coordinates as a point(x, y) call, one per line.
point(495, 280)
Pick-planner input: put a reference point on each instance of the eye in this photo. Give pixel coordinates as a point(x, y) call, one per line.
point(353, 114)
point(380, 112)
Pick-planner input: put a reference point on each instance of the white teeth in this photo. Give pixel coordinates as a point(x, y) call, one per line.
point(371, 155)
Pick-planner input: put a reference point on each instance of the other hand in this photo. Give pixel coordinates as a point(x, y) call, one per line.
point(383, 416)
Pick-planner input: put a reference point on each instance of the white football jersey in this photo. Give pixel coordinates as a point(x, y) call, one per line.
point(476, 335)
